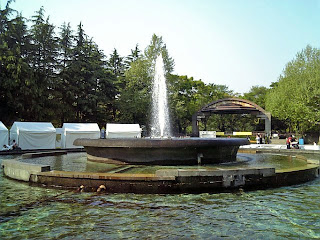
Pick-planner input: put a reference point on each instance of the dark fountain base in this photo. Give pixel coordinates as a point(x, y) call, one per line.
point(152, 151)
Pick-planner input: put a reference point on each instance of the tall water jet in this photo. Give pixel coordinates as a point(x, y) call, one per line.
point(160, 123)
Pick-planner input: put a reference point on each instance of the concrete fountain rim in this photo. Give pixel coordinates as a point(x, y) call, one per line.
point(160, 142)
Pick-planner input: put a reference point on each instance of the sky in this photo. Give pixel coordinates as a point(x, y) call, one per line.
point(237, 43)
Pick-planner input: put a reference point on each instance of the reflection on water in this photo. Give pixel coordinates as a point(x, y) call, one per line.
point(32, 212)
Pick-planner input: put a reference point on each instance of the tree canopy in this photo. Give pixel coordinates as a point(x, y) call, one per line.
point(295, 97)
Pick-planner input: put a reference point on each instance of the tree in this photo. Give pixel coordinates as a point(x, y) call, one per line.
point(134, 98)
point(43, 57)
point(89, 86)
point(66, 45)
point(116, 64)
point(257, 95)
point(134, 56)
point(156, 47)
point(187, 96)
point(295, 97)
point(15, 73)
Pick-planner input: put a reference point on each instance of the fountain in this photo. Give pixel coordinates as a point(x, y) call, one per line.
point(161, 148)
point(164, 150)
point(160, 125)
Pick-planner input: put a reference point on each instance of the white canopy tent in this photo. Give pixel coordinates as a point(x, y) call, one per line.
point(114, 130)
point(33, 135)
point(4, 135)
point(72, 131)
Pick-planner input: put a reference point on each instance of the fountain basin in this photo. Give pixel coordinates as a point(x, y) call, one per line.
point(153, 151)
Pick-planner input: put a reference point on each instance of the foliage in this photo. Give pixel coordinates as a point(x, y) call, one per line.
point(134, 98)
point(61, 75)
point(156, 47)
point(15, 73)
point(257, 94)
point(187, 96)
point(295, 98)
point(45, 77)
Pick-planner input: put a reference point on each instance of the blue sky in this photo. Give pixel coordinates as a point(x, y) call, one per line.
point(238, 43)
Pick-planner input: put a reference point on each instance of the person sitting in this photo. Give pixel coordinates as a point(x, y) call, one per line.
point(294, 143)
point(6, 147)
point(288, 142)
point(14, 145)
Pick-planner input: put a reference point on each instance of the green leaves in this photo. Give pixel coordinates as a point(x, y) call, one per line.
point(187, 96)
point(295, 97)
point(61, 75)
point(156, 47)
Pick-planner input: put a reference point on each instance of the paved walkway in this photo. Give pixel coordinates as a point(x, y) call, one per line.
point(278, 146)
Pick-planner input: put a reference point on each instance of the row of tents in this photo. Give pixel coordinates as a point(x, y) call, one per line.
point(43, 135)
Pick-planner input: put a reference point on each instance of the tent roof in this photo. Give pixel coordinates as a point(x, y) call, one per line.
point(3, 127)
point(114, 127)
point(34, 126)
point(81, 127)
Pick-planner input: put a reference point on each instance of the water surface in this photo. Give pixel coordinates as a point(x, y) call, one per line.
point(33, 212)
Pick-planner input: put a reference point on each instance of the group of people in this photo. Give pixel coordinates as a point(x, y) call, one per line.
point(13, 146)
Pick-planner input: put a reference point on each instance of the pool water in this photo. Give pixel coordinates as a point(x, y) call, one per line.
point(35, 212)
point(78, 162)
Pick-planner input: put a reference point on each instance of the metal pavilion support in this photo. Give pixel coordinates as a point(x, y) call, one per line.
point(230, 106)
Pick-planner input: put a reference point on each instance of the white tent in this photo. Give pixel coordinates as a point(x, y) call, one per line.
point(4, 135)
point(72, 131)
point(33, 135)
point(123, 130)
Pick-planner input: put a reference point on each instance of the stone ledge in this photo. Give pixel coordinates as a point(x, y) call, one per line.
point(43, 154)
point(165, 180)
point(107, 176)
point(22, 171)
point(265, 172)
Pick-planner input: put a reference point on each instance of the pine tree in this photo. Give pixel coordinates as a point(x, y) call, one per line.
point(116, 64)
point(15, 73)
point(43, 61)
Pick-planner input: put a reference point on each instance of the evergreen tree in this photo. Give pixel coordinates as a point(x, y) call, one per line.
point(65, 46)
point(156, 47)
point(15, 74)
point(89, 86)
point(43, 61)
point(134, 56)
point(116, 64)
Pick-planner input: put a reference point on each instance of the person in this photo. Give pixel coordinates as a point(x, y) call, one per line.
point(5, 147)
point(294, 143)
point(288, 142)
point(258, 138)
point(14, 145)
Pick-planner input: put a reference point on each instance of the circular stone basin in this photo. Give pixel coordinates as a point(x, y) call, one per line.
point(171, 151)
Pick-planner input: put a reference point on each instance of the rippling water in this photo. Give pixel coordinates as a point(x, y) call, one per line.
point(33, 212)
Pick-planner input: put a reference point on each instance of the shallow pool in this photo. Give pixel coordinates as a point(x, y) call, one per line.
point(34, 212)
